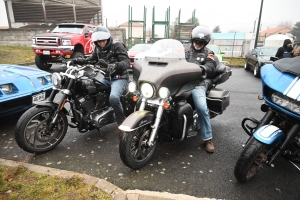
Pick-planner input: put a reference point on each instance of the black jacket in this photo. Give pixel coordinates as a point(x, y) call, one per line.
point(115, 53)
point(284, 48)
point(200, 58)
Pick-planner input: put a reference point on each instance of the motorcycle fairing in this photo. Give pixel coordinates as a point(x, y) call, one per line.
point(172, 73)
point(268, 134)
point(136, 120)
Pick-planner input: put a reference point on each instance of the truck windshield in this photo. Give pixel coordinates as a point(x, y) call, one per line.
point(77, 29)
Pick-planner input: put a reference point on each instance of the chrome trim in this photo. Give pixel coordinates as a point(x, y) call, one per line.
point(184, 128)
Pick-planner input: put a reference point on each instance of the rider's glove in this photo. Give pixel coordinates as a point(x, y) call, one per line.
point(102, 63)
point(204, 74)
point(111, 68)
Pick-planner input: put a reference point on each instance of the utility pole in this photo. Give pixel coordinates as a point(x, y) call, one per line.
point(257, 30)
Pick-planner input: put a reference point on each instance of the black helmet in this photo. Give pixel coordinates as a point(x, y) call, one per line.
point(201, 34)
point(101, 33)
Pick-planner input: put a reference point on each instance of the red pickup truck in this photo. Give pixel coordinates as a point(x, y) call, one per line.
point(71, 40)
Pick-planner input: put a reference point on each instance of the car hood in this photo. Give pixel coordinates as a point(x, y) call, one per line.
point(265, 58)
point(63, 35)
point(8, 72)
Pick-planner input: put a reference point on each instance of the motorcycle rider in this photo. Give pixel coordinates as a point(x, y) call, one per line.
point(205, 58)
point(113, 56)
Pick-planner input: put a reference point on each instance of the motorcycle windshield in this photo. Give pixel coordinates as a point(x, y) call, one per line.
point(164, 65)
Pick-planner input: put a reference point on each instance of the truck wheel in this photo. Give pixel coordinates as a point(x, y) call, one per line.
point(77, 55)
point(41, 62)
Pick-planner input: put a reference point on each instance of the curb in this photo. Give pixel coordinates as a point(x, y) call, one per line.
point(115, 192)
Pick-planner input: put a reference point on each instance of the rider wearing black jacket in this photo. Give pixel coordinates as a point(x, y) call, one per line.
point(205, 58)
point(112, 56)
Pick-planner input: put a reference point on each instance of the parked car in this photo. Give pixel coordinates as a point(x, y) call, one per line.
point(21, 87)
point(217, 50)
point(135, 49)
point(258, 57)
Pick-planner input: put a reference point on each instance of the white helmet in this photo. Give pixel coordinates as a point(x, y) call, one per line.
point(100, 33)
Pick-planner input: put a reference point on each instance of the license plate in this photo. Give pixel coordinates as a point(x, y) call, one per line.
point(38, 97)
point(46, 52)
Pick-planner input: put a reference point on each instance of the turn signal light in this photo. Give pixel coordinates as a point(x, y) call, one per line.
point(135, 98)
point(166, 105)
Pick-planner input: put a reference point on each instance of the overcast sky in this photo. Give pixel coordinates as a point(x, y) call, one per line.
point(230, 15)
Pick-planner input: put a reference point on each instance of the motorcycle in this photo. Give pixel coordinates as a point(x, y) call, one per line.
point(277, 133)
point(42, 127)
point(165, 110)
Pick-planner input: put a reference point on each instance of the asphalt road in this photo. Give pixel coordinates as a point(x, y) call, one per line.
point(183, 167)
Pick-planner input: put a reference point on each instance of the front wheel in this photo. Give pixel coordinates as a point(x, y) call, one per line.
point(30, 131)
point(246, 66)
point(256, 71)
point(250, 161)
point(134, 150)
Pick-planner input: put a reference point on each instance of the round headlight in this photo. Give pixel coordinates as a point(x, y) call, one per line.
point(56, 80)
point(147, 90)
point(132, 87)
point(164, 92)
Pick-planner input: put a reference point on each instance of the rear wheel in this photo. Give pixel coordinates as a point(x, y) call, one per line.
point(41, 62)
point(256, 71)
point(134, 150)
point(30, 131)
point(250, 161)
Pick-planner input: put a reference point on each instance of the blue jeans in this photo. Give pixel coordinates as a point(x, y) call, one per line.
point(118, 86)
point(199, 97)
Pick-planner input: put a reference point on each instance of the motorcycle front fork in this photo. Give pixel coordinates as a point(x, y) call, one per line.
point(155, 126)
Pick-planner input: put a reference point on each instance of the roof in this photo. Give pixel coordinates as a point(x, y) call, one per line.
point(272, 31)
point(231, 36)
point(134, 24)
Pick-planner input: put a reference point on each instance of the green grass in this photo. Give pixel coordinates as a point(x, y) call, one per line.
point(20, 183)
point(16, 55)
point(20, 55)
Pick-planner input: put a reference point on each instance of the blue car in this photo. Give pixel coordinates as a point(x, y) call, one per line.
point(21, 87)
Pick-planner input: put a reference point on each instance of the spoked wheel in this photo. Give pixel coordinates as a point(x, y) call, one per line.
point(134, 150)
point(251, 160)
point(31, 134)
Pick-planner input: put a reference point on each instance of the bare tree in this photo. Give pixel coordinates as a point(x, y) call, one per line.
point(286, 24)
point(217, 29)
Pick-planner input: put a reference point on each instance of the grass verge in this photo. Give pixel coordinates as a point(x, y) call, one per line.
point(20, 183)
point(20, 55)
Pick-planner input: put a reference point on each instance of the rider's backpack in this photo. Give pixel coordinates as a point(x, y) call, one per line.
point(286, 54)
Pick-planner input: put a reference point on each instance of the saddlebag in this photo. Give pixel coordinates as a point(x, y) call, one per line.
point(217, 100)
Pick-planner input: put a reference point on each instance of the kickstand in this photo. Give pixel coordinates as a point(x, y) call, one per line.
point(294, 164)
point(101, 134)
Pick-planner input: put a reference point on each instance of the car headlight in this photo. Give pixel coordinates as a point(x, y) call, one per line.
point(49, 78)
point(147, 90)
point(164, 92)
point(42, 80)
point(132, 87)
point(66, 42)
point(33, 41)
point(56, 80)
point(6, 88)
point(286, 102)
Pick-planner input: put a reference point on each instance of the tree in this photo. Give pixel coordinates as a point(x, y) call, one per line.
point(196, 21)
point(296, 31)
point(172, 28)
point(217, 29)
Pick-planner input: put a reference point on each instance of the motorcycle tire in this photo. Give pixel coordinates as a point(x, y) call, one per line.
point(250, 161)
point(133, 148)
point(30, 130)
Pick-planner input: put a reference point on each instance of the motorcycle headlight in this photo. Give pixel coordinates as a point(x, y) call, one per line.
point(164, 92)
point(147, 90)
point(132, 87)
point(286, 102)
point(66, 42)
point(56, 80)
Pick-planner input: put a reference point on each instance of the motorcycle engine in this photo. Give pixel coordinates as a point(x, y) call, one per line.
point(90, 103)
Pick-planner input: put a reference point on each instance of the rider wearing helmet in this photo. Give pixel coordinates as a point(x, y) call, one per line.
point(112, 56)
point(205, 58)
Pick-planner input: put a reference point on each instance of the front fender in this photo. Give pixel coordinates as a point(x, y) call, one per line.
point(50, 104)
point(268, 134)
point(136, 120)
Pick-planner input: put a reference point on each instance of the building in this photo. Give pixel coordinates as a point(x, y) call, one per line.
point(21, 13)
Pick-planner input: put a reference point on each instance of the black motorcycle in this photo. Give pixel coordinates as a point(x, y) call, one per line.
point(165, 109)
point(43, 127)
